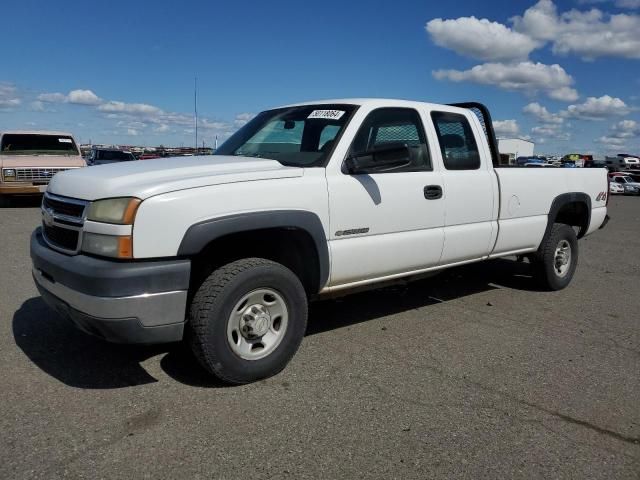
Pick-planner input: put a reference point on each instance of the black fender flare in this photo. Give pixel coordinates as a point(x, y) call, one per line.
point(199, 235)
point(562, 200)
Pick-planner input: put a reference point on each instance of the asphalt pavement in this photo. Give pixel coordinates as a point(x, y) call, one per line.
point(473, 373)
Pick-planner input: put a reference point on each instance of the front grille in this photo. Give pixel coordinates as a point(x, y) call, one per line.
point(62, 222)
point(61, 237)
point(37, 174)
point(63, 208)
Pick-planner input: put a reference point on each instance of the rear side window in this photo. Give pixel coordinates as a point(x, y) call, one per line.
point(457, 142)
point(394, 125)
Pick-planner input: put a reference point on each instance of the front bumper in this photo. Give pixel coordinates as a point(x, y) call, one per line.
point(122, 302)
point(21, 188)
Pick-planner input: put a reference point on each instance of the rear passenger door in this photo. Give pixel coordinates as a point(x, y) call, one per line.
point(469, 190)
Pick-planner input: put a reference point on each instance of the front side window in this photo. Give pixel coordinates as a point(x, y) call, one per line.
point(457, 142)
point(386, 126)
point(300, 136)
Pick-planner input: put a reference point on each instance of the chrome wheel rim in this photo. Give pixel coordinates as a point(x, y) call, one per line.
point(257, 324)
point(562, 258)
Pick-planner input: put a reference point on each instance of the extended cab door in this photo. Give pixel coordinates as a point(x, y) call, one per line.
point(470, 188)
point(387, 221)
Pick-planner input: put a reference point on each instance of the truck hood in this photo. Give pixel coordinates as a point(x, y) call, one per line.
point(146, 178)
point(41, 161)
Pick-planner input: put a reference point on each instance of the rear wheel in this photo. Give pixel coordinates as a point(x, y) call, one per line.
point(247, 320)
point(557, 258)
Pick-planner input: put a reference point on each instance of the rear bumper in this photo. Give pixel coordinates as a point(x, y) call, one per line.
point(604, 222)
point(123, 302)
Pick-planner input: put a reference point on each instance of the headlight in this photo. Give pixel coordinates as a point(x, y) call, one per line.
point(9, 174)
point(114, 210)
point(108, 245)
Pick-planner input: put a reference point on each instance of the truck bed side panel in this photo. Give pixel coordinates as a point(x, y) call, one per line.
point(526, 198)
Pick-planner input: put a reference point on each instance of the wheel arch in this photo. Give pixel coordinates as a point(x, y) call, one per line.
point(295, 238)
point(573, 208)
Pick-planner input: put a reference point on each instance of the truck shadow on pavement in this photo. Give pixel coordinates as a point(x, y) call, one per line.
point(78, 360)
point(24, 201)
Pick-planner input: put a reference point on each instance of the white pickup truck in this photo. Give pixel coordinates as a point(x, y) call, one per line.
point(303, 201)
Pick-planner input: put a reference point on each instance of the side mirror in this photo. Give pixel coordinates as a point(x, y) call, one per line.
point(382, 158)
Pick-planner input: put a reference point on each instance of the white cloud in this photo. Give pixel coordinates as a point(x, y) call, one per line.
point(83, 97)
point(564, 94)
point(52, 97)
point(621, 132)
point(129, 108)
point(8, 96)
point(627, 129)
point(542, 114)
point(76, 97)
point(588, 34)
point(598, 108)
point(628, 4)
point(135, 118)
point(551, 131)
point(631, 4)
point(481, 39)
point(37, 106)
point(546, 130)
point(506, 128)
point(242, 119)
point(9, 102)
point(527, 77)
point(612, 143)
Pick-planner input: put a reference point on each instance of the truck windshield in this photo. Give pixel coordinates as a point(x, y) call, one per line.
point(32, 144)
point(301, 136)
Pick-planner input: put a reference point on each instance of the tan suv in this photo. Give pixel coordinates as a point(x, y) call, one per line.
point(28, 160)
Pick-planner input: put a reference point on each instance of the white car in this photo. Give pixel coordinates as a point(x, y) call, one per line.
point(303, 201)
point(616, 188)
point(629, 185)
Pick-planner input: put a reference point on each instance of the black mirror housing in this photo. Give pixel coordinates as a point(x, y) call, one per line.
point(382, 158)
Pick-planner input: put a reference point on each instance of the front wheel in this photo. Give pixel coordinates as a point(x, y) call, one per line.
point(247, 320)
point(557, 258)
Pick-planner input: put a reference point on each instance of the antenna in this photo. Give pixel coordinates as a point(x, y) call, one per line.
point(195, 108)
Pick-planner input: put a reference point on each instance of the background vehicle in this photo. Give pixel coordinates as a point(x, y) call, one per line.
point(303, 201)
point(623, 161)
point(102, 156)
point(526, 161)
point(29, 159)
point(616, 188)
point(630, 186)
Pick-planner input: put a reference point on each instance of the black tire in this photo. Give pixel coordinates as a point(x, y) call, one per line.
point(547, 270)
point(212, 307)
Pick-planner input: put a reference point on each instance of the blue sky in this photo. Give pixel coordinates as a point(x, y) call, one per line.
point(565, 73)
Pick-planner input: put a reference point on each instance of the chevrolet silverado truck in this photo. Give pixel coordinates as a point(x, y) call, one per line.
point(29, 159)
point(304, 201)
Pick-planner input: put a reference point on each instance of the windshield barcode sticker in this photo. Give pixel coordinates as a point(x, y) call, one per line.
point(327, 114)
point(64, 140)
